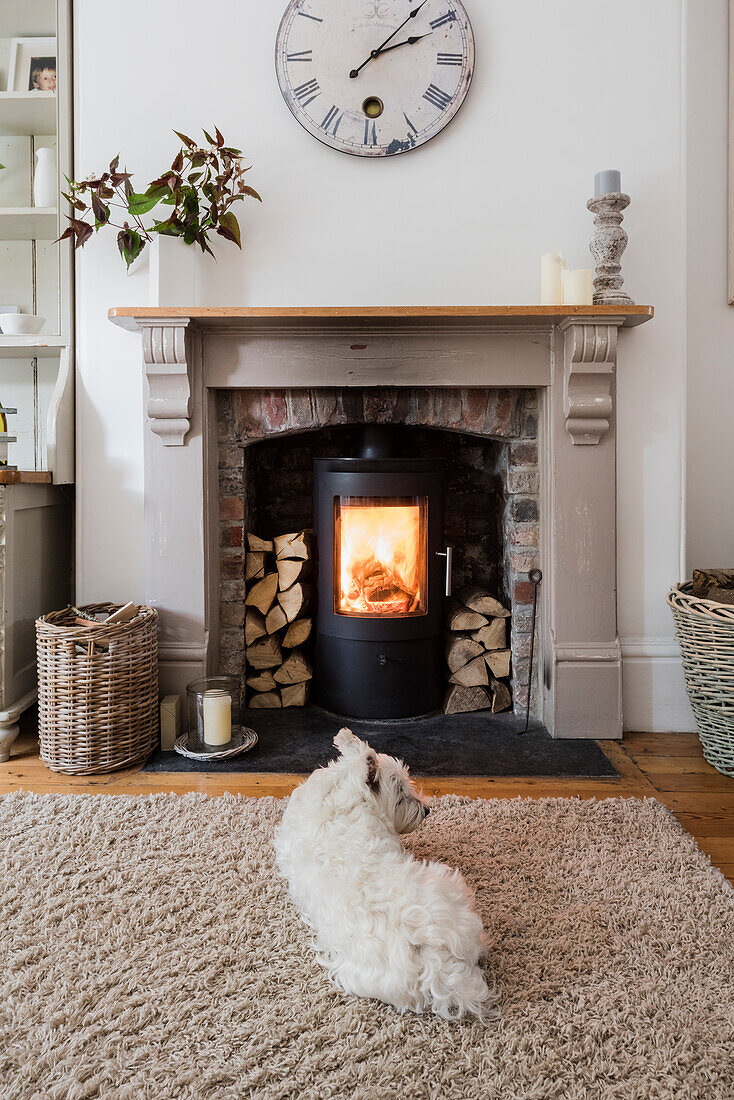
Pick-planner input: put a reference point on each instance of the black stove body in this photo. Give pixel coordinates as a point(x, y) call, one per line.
point(382, 573)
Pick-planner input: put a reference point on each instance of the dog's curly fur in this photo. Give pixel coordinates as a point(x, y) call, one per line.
point(386, 925)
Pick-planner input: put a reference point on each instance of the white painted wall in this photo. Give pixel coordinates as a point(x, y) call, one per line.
point(560, 91)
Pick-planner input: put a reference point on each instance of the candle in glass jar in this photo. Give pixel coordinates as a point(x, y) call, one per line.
point(217, 716)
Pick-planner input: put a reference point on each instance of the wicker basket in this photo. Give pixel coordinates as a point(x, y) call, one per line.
point(705, 632)
point(97, 691)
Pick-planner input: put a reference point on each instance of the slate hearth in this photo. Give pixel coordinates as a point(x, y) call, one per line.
point(297, 741)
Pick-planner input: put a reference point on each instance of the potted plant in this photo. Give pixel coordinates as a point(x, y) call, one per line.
point(200, 190)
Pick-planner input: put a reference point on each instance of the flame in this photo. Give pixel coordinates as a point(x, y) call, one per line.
point(380, 559)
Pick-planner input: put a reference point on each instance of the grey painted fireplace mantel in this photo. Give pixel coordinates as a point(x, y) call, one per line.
point(568, 354)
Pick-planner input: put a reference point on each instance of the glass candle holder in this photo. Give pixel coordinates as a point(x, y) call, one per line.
point(213, 712)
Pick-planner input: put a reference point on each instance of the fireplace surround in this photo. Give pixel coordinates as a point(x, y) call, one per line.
point(568, 356)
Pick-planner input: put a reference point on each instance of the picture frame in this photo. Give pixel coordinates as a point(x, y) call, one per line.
point(32, 65)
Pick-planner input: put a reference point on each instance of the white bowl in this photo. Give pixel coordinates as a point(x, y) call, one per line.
point(21, 324)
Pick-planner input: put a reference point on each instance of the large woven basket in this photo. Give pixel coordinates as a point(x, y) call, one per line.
point(705, 632)
point(97, 691)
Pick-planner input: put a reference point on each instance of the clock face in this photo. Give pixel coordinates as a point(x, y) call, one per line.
point(374, 77)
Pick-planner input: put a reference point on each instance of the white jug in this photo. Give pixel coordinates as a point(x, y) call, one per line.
point(45, 183)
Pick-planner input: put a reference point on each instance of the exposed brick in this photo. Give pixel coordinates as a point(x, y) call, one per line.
point(425, 406)
point(225, 430)
point(247, 414)
point(522, 618)
point(525, 534)
point(231, 641)
point(231, 508)
point(524, 452)
point(522, 592)
point(353, 405)
point(379, 404)
point(522, 561)
point(449, 408)
point(523, 481)
point(231, 567)
point(523, 509)
point(231, 535)
point(232, 614)
point(300, 414)
point(229, 456)
point(231, 664)
point(232, 591)
point(327, 406)
point(274, 411)
point(474, 413)
point(501, 414)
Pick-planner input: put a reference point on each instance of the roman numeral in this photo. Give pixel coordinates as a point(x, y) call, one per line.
point(437, 97)
point(449, 17)
point(370, 132)
point(332, 118)
point(450, 59)
point(307, 16)
point(410, 124)
point(302, 55)
point(306, 93)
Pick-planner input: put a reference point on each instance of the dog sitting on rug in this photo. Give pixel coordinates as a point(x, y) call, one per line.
point(386, 925)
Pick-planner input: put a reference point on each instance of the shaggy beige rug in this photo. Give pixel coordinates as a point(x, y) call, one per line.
point(148, 949)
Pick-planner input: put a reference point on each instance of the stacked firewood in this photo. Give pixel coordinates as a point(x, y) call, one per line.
point(476, 653)
point(277, 626)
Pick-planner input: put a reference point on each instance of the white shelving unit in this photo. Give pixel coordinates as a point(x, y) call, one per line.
point(28, 223)
point(36, 372)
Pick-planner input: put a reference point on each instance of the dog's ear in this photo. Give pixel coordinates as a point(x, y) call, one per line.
point(348, 744)
point(373, 772)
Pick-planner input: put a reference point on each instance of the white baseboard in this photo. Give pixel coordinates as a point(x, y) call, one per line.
point(653, 691)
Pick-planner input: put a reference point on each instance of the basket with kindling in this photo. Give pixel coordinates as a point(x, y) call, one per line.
point(97, 687)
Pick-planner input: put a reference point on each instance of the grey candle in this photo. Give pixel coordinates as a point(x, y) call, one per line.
point(607, 183)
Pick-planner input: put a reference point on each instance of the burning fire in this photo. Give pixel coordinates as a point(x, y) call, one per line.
point(380, 556)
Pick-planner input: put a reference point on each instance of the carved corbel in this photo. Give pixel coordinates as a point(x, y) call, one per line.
point(169, 378)
point(589, 363)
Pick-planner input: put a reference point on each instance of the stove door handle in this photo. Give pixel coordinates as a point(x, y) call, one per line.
point(448, 553)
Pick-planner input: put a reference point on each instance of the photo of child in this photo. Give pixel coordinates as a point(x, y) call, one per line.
point(43, 74)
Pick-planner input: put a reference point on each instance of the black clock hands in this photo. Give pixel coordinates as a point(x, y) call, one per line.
point(408, 42)
point(381, 49)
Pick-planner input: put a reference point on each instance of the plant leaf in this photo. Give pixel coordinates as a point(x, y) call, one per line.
point(186, 140)
point(251, 192)
point(130, 244)
point(229, 228)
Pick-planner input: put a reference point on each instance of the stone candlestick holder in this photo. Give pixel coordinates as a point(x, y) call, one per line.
point(607, 245)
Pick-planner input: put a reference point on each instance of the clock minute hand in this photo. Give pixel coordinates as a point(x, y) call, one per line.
point(380, 49)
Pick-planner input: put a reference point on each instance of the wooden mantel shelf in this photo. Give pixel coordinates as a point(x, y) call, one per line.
point(25, 477)
point(220, 318)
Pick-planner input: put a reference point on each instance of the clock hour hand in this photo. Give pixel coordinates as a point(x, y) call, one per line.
point(380, 49)
point(408, 42)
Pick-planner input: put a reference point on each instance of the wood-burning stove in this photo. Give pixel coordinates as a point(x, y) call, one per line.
point(382, 573)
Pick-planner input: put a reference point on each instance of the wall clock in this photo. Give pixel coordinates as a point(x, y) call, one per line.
point(374, 77)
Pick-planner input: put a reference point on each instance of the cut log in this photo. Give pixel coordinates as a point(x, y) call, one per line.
point(296, 545)
point(262, 594)
point(493, 635)
point(721, 595)
point(295, 600)
point(254, 626)
point(290, 571)
point(474, 674)
point(460, 649)
point(296, 634)
point(295, 669)
point(501, 698)
point(706, 579)
point(254, 543)
point(275, 619)
point(460, 700)
point(459, 617)
point(254, 565)
point(265, 653)
point(498, 662)
point(262, 682)
point(295, 695)
point(478, 599)
point(268, 700)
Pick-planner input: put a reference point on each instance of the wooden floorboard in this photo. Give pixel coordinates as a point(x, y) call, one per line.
point(668, 767)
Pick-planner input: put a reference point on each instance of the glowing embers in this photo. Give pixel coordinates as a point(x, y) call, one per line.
point(380, 556)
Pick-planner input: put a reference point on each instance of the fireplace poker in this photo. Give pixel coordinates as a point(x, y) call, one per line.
point(535, 577)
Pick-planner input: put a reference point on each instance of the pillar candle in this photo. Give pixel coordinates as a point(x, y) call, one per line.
point(578, 287)
point(608, 182)
point(552, 266)
point(217, 715)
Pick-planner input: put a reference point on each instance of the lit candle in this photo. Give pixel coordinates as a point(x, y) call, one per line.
point(217, 714)
point(552, 266)
point(608, 182)
point(578, 287)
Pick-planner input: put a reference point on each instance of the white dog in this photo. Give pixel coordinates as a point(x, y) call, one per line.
point(386, 925)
